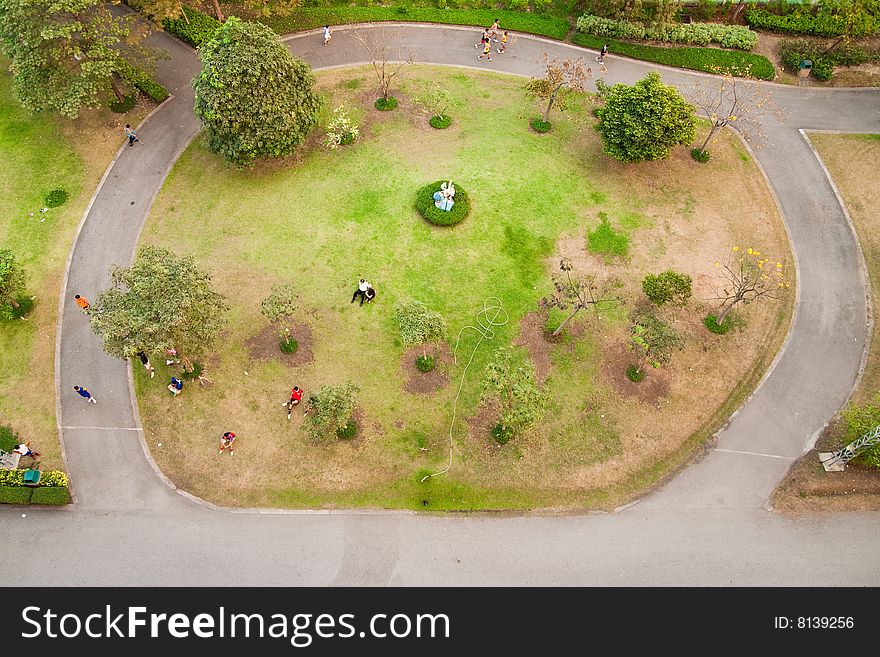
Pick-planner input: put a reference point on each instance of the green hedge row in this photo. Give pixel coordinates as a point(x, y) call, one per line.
point(804, 22)
point(307, 18)
point(710, 60)
point(16, 478)
point(699, 34)
point(141, 80)
point(51, 495)
point(200, 28)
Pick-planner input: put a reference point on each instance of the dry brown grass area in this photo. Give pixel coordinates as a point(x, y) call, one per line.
point(852, 161)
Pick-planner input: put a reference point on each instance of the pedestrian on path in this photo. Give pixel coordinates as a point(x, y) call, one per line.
point(85, 394)
point(82, 302)
point(493, 31)
point(132, 137)
point(327, 35)
point(296, 396)
point(484, 39)
point(601, 56)
point(25, 450)
point(487, 51)
point(503, 45)
point(227, 442)
point(361, 292)
point(175, 386)
point(146, 363)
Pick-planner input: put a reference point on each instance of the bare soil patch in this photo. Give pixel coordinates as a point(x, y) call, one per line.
point(651, 389)
point(533, 337)
point(264, 345)
point(424, 383)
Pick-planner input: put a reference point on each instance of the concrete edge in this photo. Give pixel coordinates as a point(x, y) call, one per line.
point(863, 265)
point(60, 323)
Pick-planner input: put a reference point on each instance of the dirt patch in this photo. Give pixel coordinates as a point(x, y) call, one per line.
point(807, 488)
point(653, 388)
point(480, 428)
point(424, 383)
point(533, 338)
point(264, 345)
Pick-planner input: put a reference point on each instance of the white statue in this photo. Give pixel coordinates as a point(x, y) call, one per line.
point(444, 198)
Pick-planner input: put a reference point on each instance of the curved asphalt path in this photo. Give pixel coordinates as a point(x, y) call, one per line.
point(709, 526)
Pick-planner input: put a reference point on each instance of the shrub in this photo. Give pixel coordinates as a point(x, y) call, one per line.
point(288, 346)
point(859, 420)
point(502, 434)
point(47, 479)
point(341, 131)
point(348, 431)
point(606, 241)
point(122, 106)
point(440, 122)
point(138, 78)
point(54, 478)
point(702, 34)
point(700, 155)
point(425, 363)
point(711, 323)
point(196, 29)
point(25, 305)
point(15, 495)
point(635, 373)
point(667, 287)
point(792, 51)
point(539, 125)
point(186, 375)
point(52, 495)
point(802, 21)
point(710, 60)
point(425, 205)
point(330, 409)
point(55, 198)
point(386, 104)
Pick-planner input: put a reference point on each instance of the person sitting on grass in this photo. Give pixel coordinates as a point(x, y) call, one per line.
point(296, 396)
point(175, 386)
point(227, 442)
point(25, 450)
point(370, 294)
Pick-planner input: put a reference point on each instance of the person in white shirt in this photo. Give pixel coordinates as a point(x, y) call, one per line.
point(327, 35)
point(361, 292)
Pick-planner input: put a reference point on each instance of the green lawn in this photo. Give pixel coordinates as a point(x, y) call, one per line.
point(323, 220)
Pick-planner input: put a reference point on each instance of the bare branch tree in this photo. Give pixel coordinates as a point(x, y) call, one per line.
point(562, 77)
point(385, 67)
point(731, 99)
point(577, 292)
point(748, 276)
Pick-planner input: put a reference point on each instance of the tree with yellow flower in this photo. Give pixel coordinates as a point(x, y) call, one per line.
point(748, 276)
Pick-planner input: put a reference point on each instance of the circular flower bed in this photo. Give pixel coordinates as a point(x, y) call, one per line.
point(385, 104)
point(441, 122)
point(438, 217)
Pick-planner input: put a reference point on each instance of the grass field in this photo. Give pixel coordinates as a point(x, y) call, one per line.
point(322, 220)
point(38, 154)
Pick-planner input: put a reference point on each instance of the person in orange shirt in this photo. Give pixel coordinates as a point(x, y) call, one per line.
point(82, 302)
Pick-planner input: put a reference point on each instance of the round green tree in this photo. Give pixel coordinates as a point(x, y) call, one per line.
point(643, 121)
point(254, 98)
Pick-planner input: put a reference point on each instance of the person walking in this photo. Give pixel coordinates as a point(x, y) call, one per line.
point(503, 45)
point(132, 137)
point(85, 394)
point(296, 396)
point(487, 51)
point(146, 363)
point(175, 386)
point(82, 302)
point(361, 292)
point(601, 56)
point(327, 35)
point(227, 442)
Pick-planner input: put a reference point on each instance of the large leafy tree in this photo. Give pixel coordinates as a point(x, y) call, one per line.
point(254, 98)
point(12, 281)
point(643, 121)
point(331, 408)
point(64, 52)
point(161, 302)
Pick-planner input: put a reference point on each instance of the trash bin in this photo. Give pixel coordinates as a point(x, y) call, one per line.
point(32, 478)
point(804, 68)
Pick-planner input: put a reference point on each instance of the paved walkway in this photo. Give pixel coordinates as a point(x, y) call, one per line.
point(708, 526)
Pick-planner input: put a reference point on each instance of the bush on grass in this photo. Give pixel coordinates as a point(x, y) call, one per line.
point(196, 29)
point(55, 198)
point(711, 323)
point(502, 434)
point(139, 79)
point(124, 105)
point(288, 346)
point(792, 51)
point(386, 104)
point(425, 363)
point(667, 287)
point(425, 205)
point(539, 125)
point(710, 60)
point(347, 432)
point(440, 122)
point(635, 374)
point(700, 155)
point(857, 421)
point(196, 372)
point(25, 305)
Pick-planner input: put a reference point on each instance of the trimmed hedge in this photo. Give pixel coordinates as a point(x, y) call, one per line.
point(710, 60)
point(51, 495)
point(701, 34)
point(199, 30)
point(15, 495)
point(307, 18)
point(52, 489)
point(142, 81)
point(804, 22)
point(425, 205)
